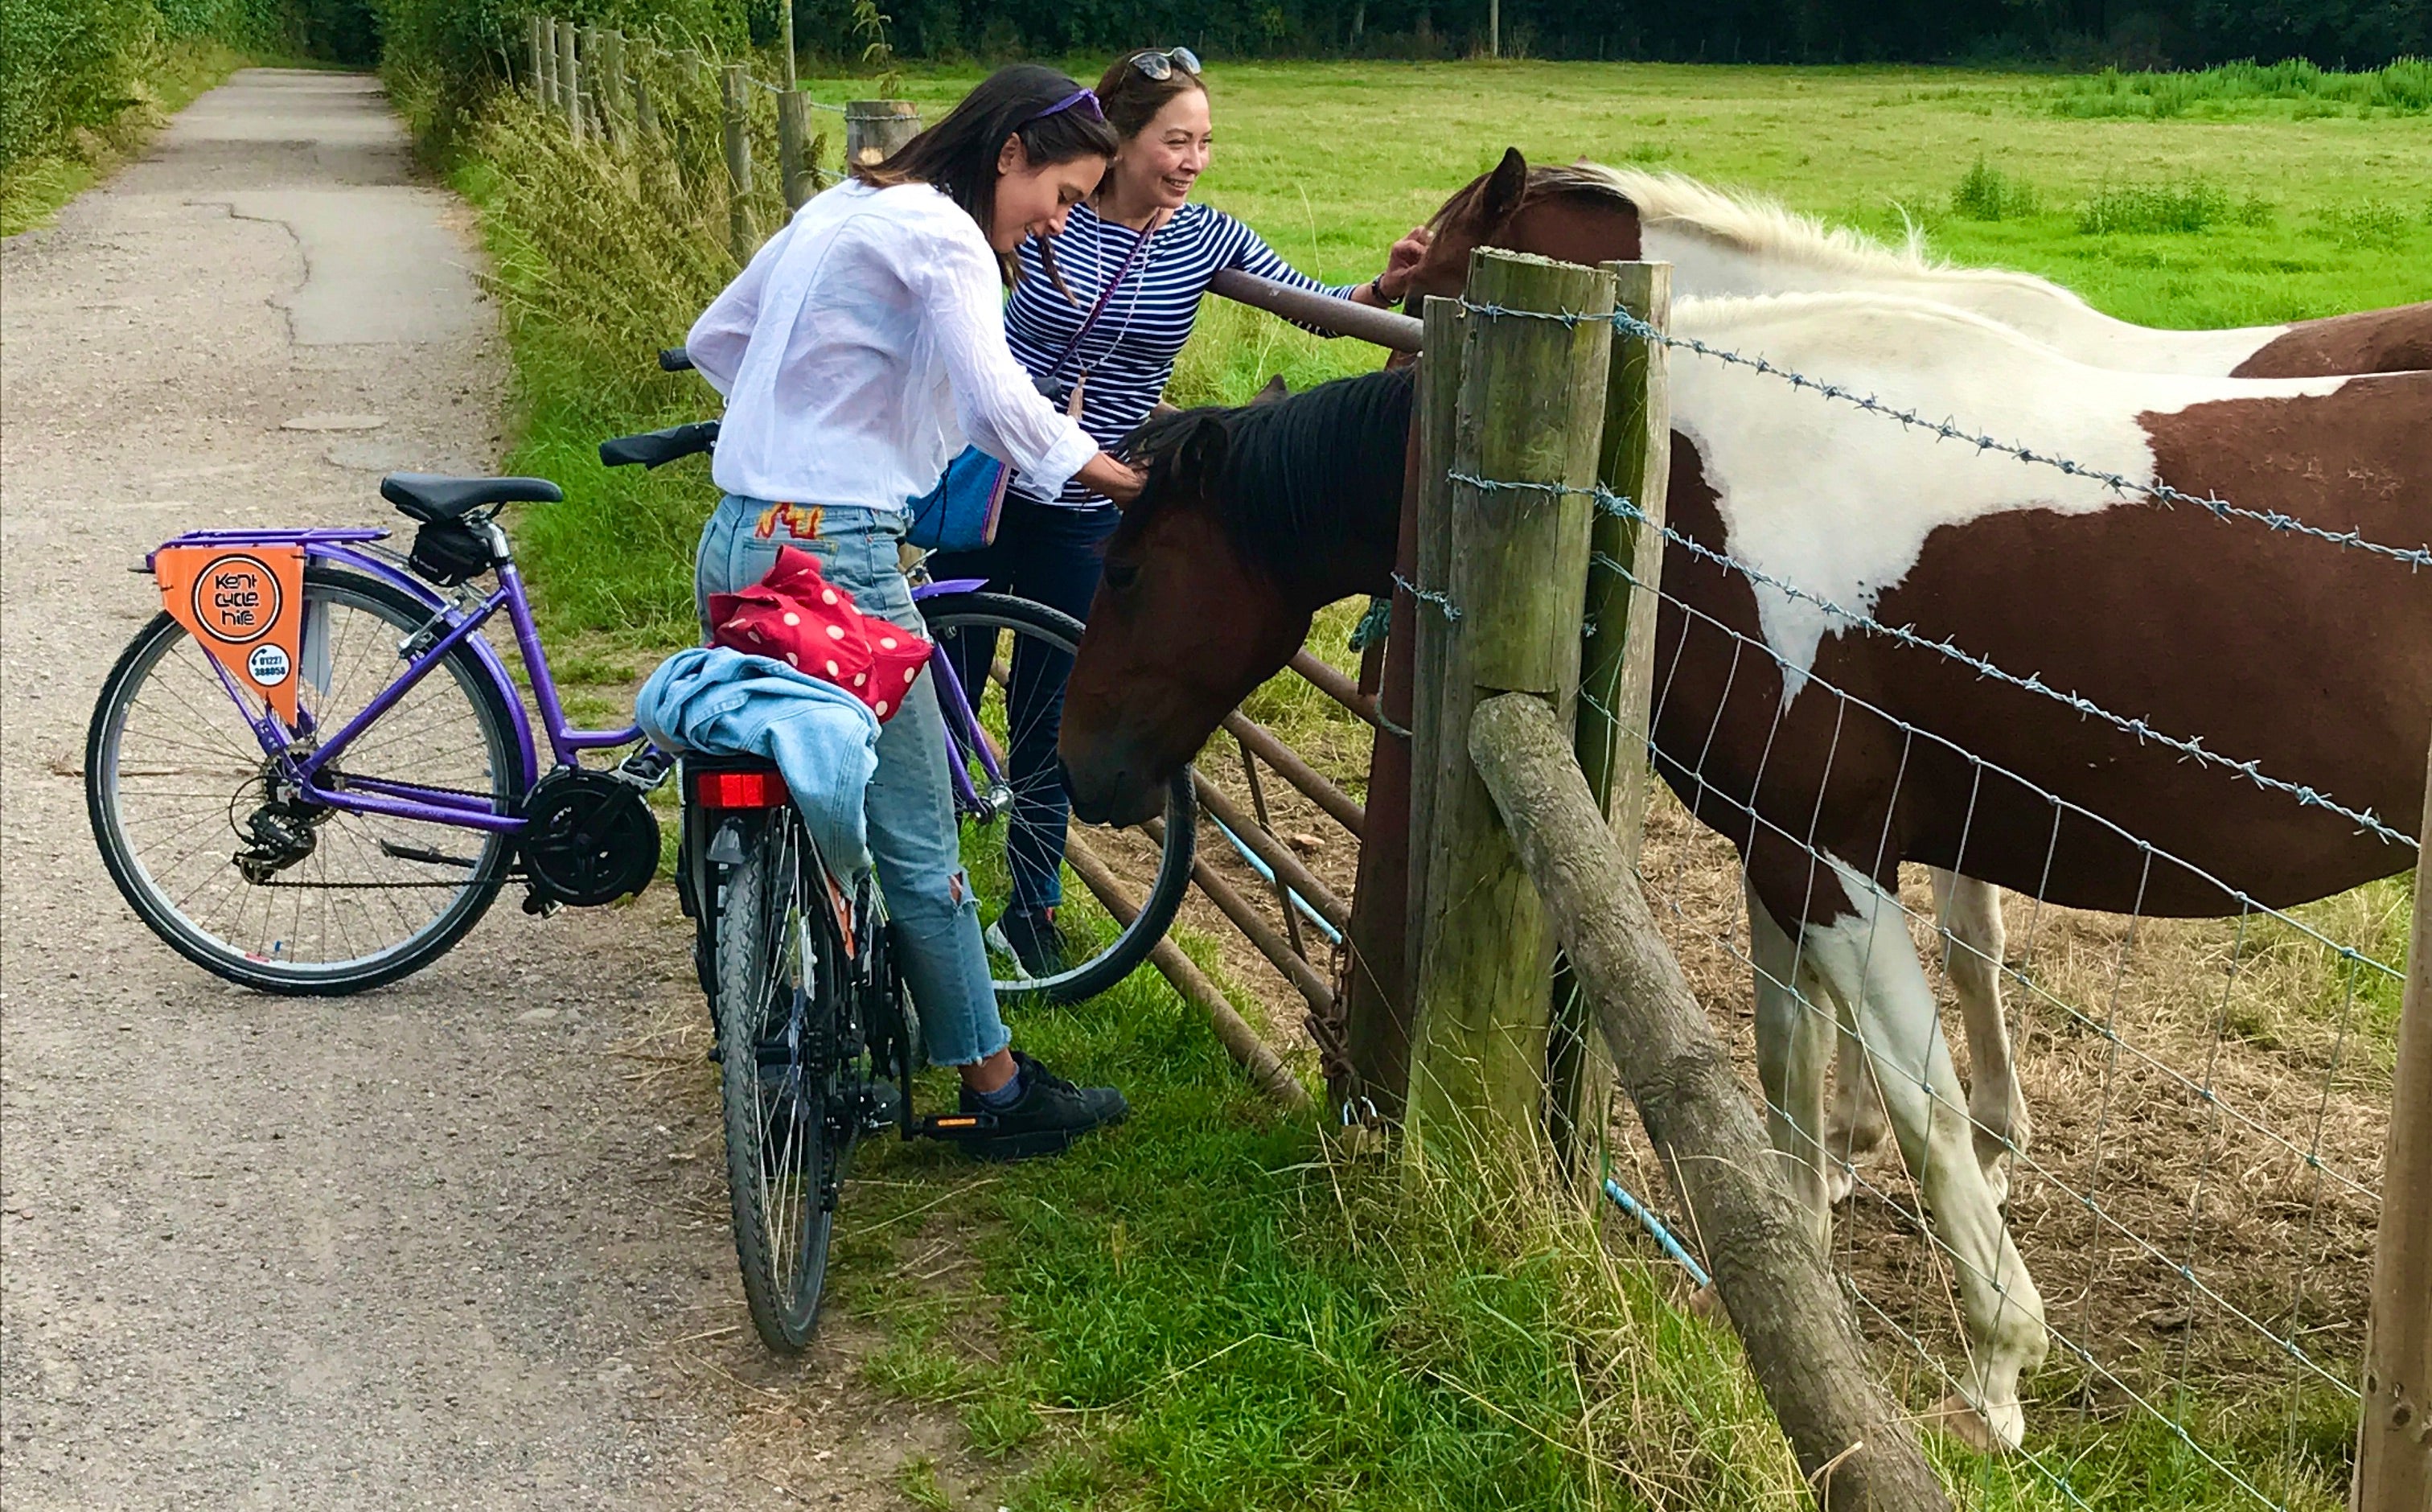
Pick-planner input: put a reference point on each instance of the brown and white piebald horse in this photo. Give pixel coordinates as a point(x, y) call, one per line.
point(1828, 756)
point(1722, 243)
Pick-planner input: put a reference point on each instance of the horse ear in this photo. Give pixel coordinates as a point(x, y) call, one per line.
point(1275, 389)
point(1504, 188)
point(1201, 454)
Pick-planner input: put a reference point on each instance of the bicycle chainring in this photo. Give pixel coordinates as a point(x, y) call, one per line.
point(588, 838)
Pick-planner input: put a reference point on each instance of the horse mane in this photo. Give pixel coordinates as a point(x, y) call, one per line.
point(1720, 316)
point(1304, 477)
point(1766, 227)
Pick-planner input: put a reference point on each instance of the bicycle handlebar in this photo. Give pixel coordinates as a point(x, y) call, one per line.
point(656, 449)
point(675, 360)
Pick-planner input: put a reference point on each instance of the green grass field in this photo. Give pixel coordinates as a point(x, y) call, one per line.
point(1204, 1309)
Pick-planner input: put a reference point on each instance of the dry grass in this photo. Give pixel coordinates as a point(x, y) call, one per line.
point(2242, 1057)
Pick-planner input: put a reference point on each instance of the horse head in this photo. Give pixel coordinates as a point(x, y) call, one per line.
point(1252, 520)
point(1574, 213)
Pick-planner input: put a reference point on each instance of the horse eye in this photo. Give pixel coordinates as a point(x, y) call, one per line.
point(1121, 576)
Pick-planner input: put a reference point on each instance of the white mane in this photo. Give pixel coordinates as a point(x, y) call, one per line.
point(1766, 227)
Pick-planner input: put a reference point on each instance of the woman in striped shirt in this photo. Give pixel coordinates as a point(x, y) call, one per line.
point(1140, 254)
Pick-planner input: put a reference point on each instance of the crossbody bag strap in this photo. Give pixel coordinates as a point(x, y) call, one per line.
point(1097, 308)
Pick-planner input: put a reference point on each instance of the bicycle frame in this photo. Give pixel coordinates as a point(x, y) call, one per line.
point(346, 546)
point(456, 625)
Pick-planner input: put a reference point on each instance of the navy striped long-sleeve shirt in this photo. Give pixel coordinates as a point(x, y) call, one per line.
point(1129, 354)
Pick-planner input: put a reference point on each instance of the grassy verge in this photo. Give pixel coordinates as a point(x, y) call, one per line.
point(33, 189)
point(1212, 1307)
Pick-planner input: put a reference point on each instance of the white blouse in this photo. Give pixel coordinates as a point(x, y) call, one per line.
point(862, 348)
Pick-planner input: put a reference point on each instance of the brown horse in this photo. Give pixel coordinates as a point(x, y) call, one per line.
point(1830, 756)
point(1722, 243)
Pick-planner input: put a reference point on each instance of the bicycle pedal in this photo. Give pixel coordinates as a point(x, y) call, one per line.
point(645, 769)
point(952, 1128)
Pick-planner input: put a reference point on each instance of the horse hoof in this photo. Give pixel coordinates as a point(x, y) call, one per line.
point(1961, 1418)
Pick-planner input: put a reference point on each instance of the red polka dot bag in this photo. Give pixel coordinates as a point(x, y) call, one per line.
point(799, 618)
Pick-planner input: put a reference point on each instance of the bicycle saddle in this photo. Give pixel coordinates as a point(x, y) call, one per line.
point(429, 496)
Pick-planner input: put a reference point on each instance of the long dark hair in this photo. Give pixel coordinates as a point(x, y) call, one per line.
point(1132, 98)
point(958, 155)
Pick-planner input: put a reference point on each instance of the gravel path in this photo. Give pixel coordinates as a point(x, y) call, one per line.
point(435, 1247)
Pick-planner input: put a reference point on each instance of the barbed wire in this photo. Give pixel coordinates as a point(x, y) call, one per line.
point(2349, 955)
point(2414, 556)
point(1615, 504)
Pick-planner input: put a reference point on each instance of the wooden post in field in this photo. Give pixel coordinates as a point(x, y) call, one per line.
point(1530, 413)
point(2395, 1444)
point(1853, 1443)
point(1617, 662)
point(537, 38)
point(786, 79)
point(874, 129)
point(570, 80)
point(740, 238)
point(794, 148)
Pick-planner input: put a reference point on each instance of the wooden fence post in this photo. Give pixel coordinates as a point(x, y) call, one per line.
point(551, 101)
point(616, 89)
point(1436, 652)
point(2395, 1442)
point(1532, 413)
point(794, 148)
point(1852, 1440)
point(874, 129)
point(740, 238)
point(586, 52)
point(1617, 662)
point(646, 110)
point(569, 79)
point(536, 38)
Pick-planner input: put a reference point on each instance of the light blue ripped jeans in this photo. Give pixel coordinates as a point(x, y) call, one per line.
point(911, 803)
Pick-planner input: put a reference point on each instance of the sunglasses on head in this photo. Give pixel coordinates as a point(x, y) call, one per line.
point(1081, 102)
point(1160, 65)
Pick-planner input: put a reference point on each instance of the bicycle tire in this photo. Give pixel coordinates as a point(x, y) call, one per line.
point(950, 614)
point(104, 739)
point(781, 1000)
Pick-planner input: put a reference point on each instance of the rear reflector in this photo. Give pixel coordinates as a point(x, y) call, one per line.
point(763, 788)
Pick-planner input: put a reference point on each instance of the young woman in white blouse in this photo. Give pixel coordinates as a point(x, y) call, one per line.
point(861, 350)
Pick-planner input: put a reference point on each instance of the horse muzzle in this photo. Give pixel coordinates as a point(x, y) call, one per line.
point(1111, 795)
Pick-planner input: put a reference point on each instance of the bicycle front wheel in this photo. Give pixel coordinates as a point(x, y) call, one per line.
point(791, 1076)
point(1010, 657)
point(247, 879)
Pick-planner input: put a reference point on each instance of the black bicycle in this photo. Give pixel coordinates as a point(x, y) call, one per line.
point(818, 1041)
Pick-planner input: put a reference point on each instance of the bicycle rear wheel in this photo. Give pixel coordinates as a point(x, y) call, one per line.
point(181, 798)
point(1010, 653)
point(792, 1076)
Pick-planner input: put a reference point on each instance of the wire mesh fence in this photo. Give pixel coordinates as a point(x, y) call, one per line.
point(2180, 1102)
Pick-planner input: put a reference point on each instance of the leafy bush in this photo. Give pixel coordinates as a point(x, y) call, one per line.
point(2405, 87)
point(2184, 206)
point(1986, 192)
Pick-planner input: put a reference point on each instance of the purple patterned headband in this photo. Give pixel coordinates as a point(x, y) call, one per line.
point(1085, 101)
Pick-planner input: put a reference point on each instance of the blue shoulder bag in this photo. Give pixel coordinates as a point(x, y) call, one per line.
point(961, 513)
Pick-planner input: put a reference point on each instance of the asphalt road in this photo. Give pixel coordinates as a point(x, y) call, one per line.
point(424, 1248)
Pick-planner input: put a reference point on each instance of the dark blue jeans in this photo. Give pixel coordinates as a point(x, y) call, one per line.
point(1052, 554)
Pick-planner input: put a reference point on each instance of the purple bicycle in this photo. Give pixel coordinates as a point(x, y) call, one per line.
point(346, 824)
point(310, 773)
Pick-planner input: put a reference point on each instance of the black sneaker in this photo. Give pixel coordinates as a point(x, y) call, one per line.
point(1050, 1115)
point(1031, 935)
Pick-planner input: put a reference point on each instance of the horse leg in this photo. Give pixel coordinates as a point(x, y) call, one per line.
point(1856, 1122)
point(1969, 913)
point(1869, 959)
point(1794, 1025)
